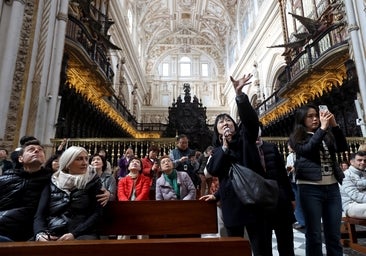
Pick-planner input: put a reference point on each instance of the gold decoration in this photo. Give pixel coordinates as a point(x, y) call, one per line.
point(87, 84)
point(311, 86)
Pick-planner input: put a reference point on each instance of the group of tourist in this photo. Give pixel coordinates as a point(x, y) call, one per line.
point(62, 198)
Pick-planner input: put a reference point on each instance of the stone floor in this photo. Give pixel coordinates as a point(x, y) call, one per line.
point(299, 245)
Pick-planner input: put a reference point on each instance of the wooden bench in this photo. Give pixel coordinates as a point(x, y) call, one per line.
point(174, 227)
point(353, 234)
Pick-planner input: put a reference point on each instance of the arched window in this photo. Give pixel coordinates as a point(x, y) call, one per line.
point(185, 66)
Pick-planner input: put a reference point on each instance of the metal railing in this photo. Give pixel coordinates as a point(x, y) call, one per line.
point(115, 147)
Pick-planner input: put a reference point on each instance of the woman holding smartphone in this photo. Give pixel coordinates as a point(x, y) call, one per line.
point(317, 138)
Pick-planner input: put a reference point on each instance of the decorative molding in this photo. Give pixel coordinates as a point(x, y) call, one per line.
point(311, 87)
point(36, 83)
point(16, 105)
point(352, 27)
point(62, 16)
point(90, 89)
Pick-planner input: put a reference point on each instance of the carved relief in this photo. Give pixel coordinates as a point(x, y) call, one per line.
point(19, 73)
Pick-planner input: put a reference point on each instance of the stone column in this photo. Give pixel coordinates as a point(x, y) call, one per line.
point(10, 25)
point(53, 82)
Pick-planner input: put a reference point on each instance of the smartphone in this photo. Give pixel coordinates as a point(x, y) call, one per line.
point(323, 108)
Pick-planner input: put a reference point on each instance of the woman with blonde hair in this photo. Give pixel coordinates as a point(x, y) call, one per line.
point(68, 208)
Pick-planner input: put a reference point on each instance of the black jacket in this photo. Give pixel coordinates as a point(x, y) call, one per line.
point(276, 170)
point(243, 150)
point(308, 164)
point(77, 213)
point(20, 193)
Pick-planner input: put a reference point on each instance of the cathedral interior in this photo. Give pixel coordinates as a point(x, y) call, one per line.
point(115, 73)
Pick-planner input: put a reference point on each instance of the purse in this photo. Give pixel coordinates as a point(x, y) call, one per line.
point(253, 189)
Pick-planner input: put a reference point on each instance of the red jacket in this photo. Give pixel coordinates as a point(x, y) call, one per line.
point(125, 186)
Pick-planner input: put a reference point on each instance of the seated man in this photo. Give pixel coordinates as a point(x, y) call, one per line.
point(20, 193)
point(353, 189)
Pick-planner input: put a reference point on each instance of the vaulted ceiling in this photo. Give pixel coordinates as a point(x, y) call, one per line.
point(186, 25)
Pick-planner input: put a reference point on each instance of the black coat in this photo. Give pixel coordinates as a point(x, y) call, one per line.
point(242, 149)
point(20, 193)
point(77, 213)
point(276, 170)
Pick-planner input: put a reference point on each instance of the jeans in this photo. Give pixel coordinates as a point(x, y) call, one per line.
point(322, 203)
point(5, 239)
point(298, 209)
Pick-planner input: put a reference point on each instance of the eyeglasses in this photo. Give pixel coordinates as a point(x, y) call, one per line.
point(165, 160)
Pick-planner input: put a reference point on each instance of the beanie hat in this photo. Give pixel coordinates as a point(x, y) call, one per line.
point(68, 156)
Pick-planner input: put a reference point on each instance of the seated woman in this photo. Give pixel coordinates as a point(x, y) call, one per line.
point(52, 162)
point(133, 187)
point(173, 185)
point(108, 181)
point(68, 208)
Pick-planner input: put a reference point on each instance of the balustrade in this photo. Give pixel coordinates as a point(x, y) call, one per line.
point(116, 147)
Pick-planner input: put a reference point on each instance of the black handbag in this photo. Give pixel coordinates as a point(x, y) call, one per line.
point(253, 189)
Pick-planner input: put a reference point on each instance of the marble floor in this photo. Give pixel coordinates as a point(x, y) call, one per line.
point(299, 246)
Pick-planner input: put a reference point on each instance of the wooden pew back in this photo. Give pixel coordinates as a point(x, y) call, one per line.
point(178, 217)
point(175, 218)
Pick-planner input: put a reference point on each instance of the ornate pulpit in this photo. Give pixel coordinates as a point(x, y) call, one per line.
point(189, 117)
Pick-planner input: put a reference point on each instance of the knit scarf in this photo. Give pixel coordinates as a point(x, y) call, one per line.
point(173, 181)
point(67, 182)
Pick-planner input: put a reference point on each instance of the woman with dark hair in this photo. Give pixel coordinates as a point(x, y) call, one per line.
point(52, 162)
point(150, 168)
point(134, 186)
point(109, 182)
point(237, 144)
point(317, 138)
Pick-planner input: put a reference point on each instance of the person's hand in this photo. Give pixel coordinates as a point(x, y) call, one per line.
point(207, 198)
point(239, 84)
point(228, 135)
point(103, 198)
point(183, 159)
point(67, 236)
point(332, 121)
point(62, 144)
point(44, 237)
point(155, 166)
point(325, 117)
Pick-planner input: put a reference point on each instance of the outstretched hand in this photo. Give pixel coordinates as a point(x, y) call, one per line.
point(239, 84)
